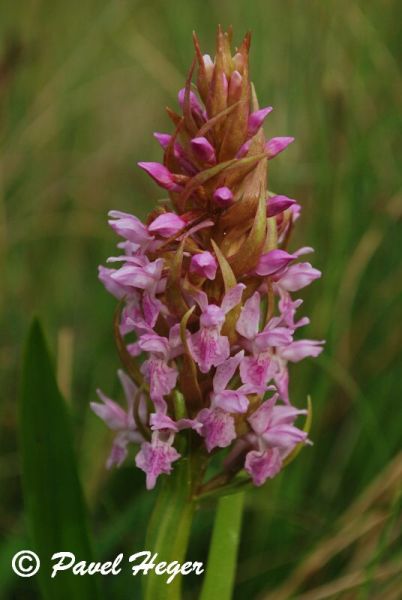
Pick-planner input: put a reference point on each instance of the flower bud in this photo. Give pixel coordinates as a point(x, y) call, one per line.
point(256, 119)
point(277, 145)
point(167, 224)
point(204, 264)
point(223, 197)
point(235, 87)
point(195, 105)
point(161, 175)
point(273, 261)
point(243, 150)
point(277, 204)
point(203, 150)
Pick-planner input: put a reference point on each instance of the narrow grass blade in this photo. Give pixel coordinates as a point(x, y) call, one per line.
point(52, 492)
point(222, 558)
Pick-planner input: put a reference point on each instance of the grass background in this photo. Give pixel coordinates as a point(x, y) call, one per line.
point(83, 85)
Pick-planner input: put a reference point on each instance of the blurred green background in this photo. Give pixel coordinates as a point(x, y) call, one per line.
point(83, 84)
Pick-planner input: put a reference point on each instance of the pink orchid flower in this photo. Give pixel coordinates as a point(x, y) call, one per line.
point(121, 421)
point(293, 352)
point(160, 375)
point(208, 347)
point(218, 428)
point(156, 457)
point(139, 273)
point(256, 370)
point(274, 437)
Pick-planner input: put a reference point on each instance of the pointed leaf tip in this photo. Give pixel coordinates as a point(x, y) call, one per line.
point(53, 497)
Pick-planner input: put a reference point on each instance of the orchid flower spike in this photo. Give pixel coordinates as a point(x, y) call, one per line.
point(206, 324)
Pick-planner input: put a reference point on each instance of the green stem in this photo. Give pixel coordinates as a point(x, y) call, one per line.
point(169, 529)
point(222, 558)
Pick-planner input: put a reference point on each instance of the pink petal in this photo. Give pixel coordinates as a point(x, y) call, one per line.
point(118, 453)
point(151, 307)
point(285, 414)
point(209, 348)
point(132, 276)
point(218, 428)
point(195, 105)
point(232, 297)
point(257, 371)
point(276, 145)
point(164, 140)
point(225, 371)
point(223, 197)
point(212, 316)
point(129, 387)
point(277, 204)
point(248, 322)
point(298, 276)
point(154, 459)
point(303, 250)
point(273, 261)
point(284, 436)
point(151, 342)
point(129, 227)
point(288, 310)
point(118, 290)
point(204, 264)
point(271, 338)
point(203, 150)
point(167, 224)
point(243, 150)
point(110, 412)
point(262, 417)
point(161, 378)
point(256, 119)
point(160, 421)
point(161, 175)
point(231, 401)
point(263, 465)
point(300, 349)
point(281, 378)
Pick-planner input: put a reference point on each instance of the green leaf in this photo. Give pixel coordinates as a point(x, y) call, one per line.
point(229, 280)
point(247, 257)
point(222, 558)
point(174, 295)
point(188, 370)
point(52, 493)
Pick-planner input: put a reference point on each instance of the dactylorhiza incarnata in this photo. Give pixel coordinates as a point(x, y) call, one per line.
point(206, 323)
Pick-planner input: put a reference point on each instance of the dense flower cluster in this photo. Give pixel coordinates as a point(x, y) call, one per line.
point(205, 288)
